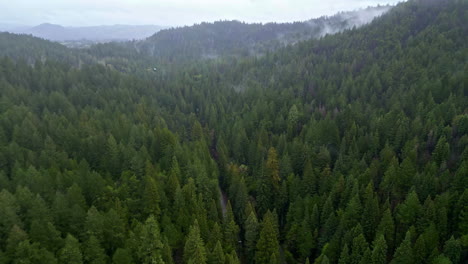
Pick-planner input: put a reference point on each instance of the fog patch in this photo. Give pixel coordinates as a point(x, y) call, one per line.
point(347, 20)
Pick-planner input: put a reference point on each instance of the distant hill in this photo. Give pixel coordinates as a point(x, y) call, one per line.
point(95, 33)
point(210, 40)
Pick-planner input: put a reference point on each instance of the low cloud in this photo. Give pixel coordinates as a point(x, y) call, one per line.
point(171, 12)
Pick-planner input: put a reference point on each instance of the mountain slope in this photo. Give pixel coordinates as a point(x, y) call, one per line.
point(31, 49)
point(352, 148)
point(228, 38)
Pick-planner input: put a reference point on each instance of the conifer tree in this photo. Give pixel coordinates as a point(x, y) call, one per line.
point(310, 179)
point(71, 253)
point(167, 252)
point(273, 259)
point(268, 240)
point(404, 253)
point(359, 248)
point(149, 249)
point(452, 249)
point(215, 236)
point(344, 255)
point(122, 256)
point(151, 197)
point(231, 229)
point(379, 251)
point(251, 234)
point(217, 255)
point(194, 250)
point(386, 228)
point(93, 253)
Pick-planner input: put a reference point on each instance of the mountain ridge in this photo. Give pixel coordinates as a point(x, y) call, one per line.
point(105, 33)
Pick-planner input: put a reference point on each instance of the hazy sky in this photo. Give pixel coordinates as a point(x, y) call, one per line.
point(170, 12)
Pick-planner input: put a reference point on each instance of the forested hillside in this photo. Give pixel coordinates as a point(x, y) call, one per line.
point(234, 38)
point(347, 149)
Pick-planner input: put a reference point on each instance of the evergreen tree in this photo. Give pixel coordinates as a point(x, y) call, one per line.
point(452, 250)
point(344, 256)
point(149, 249)
point(268, 240)
point(231, 229)
point(404, 253)
point(379, 251)
point(386, 228)
point(71, 253)
point(151, 197)
point(217, 255)
point(358, 249)
point(122, 256)
point(194, 250)
point(251, 234)
point(93, 253)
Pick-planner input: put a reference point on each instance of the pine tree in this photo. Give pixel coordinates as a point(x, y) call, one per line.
point(172, 183)
point(231, 230)
point(122, 256)
point(93, 253)
point(268, 241)
point(409, 210)
point(251, 234)
point(452, 249)
point(379, 251)
point(310, 181)
point(217, 255)
point(167, 253)
point(370, 213)
point(269, 182)
point(151, 198)
point(8, 214)
point(344, 256)
point(404, 253)
point(46, 234)
point(273, 259)
point(15, 237)
point(441, 259)
point(232, 258)
point(32, 253)
point(113, 230)
point(94, 223)
point(325, 260)
point(366, 257)
point(358, 250)
point(149, 249)
point(215, 236)
point(386, 228)
point(306, 237)
point(194, 250)
point(441, 151)
point(71, 253)
point(420, 249)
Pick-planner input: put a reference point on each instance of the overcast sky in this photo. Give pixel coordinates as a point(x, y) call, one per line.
point(170, 12)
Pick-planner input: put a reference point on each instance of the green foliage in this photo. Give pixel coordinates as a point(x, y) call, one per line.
point(122, 256)
point(268, 243)
point(404, 253)
point(452, 250)
point(194, 250)
point(251, 234)
point(353, 138)
point(217, 255)
point(93, 252)
point(71, 253)
point(379, 251)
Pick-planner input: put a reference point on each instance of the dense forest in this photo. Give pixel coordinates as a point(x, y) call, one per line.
point(349, 149)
